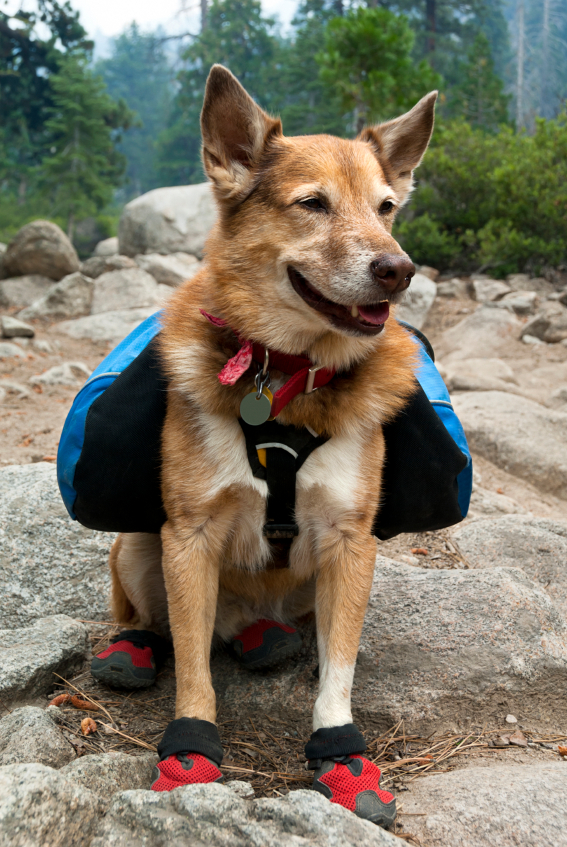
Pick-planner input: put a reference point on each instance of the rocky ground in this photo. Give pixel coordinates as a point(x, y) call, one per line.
point(461, 684)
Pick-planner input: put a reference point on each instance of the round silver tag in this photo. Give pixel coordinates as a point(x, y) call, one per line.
point(253, 411)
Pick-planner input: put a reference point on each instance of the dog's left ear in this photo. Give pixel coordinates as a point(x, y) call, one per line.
point(235, 131)
point(400, 144)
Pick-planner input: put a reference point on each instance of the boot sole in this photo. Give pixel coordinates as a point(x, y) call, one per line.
point(277, 653)
point(119, 672)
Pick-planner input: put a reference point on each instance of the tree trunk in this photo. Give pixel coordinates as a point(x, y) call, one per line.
point(203, 15)
point(339, 8)
point(544, 61)
point(71, 226)
point(520, 68)
point(431, 24)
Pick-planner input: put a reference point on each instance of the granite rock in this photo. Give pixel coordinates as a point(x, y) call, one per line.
point(23, 291)
point(107, 326)
point(37, 537)
point(502, 806)
point(214, 816)
point(40, 247)
point(168, 220)
point(536, 545)
point(41, 808)
point(29, 656)
point(518, 435)
point(69, 298)
point(29, 735)
point(418, 300)
point(169, 270)
point(131, 288)
point(109, 773)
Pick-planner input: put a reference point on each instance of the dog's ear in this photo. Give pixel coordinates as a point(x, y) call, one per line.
point(400, 144)
point(234, 130)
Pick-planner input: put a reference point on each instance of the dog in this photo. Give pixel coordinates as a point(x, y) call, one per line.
point(292, 308)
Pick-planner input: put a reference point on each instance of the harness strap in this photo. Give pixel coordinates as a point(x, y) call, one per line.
point(285, 448)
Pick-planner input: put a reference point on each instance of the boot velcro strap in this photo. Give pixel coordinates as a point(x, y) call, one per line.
point(191, 735)
point(330, 742)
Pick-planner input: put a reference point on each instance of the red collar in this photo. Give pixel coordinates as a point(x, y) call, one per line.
point(305, 376)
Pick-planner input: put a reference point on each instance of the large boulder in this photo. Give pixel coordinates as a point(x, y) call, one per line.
point(485, 334)
point(437, 647)
point(41, 248)
point(29, 656)
point(131, 288)
point(215, 816)
point(69, 298)
point(419, 299)
point(520, 302)
point(49, 564)
point(480, 375)
point(168, 220)
point(520, 436)
point(169, 270)
point(29, 735)
point(98, 265)
point(13, 328)
point(107, 326)
point(39, 807)
point(549, 325)
point(24, 290)
point(487, 290)
point(107, 247)
point(499, 806)
point(536, 545)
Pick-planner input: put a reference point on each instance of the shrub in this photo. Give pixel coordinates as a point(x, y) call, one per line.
point(498, 202)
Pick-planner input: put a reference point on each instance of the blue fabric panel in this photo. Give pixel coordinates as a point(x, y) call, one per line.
point(432, 383)
point(72, 437)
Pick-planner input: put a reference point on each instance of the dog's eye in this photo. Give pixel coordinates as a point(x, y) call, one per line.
point(313, 203)
point(386, 207)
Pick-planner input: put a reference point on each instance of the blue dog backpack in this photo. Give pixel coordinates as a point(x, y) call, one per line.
point(108, 463)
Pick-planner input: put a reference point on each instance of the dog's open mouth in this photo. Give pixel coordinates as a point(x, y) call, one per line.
point(368, 319)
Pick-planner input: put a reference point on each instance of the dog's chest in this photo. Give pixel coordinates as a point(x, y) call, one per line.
point(327, 472)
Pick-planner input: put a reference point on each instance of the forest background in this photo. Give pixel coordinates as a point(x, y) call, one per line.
point(79, 138)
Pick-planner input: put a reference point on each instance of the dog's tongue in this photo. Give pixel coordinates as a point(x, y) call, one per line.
point(375, 314)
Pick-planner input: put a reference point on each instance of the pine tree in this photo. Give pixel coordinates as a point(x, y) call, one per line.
point(367, 61)
point(238, 36)
point(83, 166)
point(479, 97)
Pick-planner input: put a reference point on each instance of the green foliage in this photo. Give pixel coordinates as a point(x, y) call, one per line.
point(238, 36)
point(303, 101)
point(27, 59)
point(139, 73)
point(479, 96)
point(492, 201)
point(367, 60)
point(83, 166)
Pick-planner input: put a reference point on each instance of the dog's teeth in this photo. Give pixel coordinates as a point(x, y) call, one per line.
point(354, 311)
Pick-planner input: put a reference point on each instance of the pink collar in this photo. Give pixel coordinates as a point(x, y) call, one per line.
point(305, 379)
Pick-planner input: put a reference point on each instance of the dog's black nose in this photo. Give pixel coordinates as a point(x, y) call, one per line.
point(392, 272)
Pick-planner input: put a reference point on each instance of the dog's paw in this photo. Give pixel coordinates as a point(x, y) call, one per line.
point(184, 769)
point(354, 783)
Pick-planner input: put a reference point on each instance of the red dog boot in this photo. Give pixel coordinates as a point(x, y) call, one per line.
point(345, 777)
point(132, 659)
point(178, 767)
point(354, 782)
point(265, 643)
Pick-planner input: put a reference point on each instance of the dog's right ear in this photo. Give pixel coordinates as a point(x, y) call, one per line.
point(235, 131)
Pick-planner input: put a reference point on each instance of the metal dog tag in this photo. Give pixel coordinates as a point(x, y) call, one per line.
point(256, 410)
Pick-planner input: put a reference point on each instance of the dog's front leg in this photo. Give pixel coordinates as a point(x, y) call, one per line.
point(348, 554)
point(190, 750)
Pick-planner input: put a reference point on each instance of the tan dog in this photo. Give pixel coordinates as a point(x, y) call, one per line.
point(301, 261)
